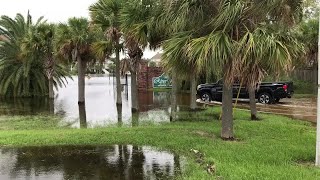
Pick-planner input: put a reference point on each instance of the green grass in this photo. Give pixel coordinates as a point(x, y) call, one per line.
point(31, 123)
point(160, 89)
point(274, 148)
point(303, 87)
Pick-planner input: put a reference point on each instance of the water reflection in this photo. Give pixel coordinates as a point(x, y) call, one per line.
point(114, 162)
point(26, 106)
point(100, 108)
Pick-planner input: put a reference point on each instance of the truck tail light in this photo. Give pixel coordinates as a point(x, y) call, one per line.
point(285, 87)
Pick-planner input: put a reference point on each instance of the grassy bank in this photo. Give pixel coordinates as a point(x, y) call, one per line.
point(274, 148)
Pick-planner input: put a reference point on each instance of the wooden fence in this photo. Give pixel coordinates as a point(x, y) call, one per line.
point(309, 75)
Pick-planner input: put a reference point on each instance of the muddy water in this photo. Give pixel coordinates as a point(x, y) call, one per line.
point(100, 108)
point(302, 108)
point(88, 162)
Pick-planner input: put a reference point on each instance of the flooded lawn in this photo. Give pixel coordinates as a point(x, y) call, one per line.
point(297, 108)
point(100, 108)
point(88, 162)
point(302, 108)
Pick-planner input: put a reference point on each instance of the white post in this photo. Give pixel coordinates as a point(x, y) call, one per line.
point(318, 105)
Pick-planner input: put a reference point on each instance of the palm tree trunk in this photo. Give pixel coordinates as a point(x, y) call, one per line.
point(81, 80)
point(119, 98)
point(119, 112)
point(82, 115)
point(174, 97)
point(51, 92)
point(253, 106)
point(135, 119)
point(227, 116)
point(193, 97)
point(134, 92)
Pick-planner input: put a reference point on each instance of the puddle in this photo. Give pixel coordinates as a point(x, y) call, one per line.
point(89, 162)
point(303, 109)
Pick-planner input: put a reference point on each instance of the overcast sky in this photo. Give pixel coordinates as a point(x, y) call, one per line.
point(53, 10)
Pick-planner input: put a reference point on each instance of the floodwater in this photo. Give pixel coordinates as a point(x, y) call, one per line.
point(89, 162)
point(297, 108)
point(100, 108)
point(302, 108)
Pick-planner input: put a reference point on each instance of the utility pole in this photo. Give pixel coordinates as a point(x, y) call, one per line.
point(318, 105)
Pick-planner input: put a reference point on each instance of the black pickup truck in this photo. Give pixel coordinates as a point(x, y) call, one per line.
point(268, 92)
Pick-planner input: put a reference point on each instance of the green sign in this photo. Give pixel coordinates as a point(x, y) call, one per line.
point(162, 81)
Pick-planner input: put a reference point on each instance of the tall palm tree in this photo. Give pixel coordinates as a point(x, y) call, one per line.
point(183, 20)
point(135, 22)
point(138, 21)
point(74, 41)
point(106, 14)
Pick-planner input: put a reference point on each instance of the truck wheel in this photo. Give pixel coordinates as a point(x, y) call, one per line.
point(206, 97)
point(265, 98)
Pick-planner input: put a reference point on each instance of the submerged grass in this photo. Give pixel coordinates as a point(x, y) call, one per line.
point(274, 148)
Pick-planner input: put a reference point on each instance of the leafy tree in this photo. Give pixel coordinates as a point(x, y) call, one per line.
point(307, 33)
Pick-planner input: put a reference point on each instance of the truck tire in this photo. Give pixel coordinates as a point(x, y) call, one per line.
point(265, 98)
point(206, 97)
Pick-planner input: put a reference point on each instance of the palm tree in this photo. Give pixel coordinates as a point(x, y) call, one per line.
point(256, 62)
point(138, 21)
point(264, 52)
point(215, 42)
point(44, 38)
point(22, 64)
point(132, 65)
point(74, 41)
point(106, 14)
point(135, 22)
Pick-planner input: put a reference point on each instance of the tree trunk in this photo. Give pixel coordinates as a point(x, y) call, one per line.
point(134, 92)
point(81, 80)
point(135, 119)
point(51, 106)
point(51, 92)
point(193, 97)
point(119, 99)
point(82, 115)
point(119, 112)
point(227, 116)
point(174, 97)
point(253, 106)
